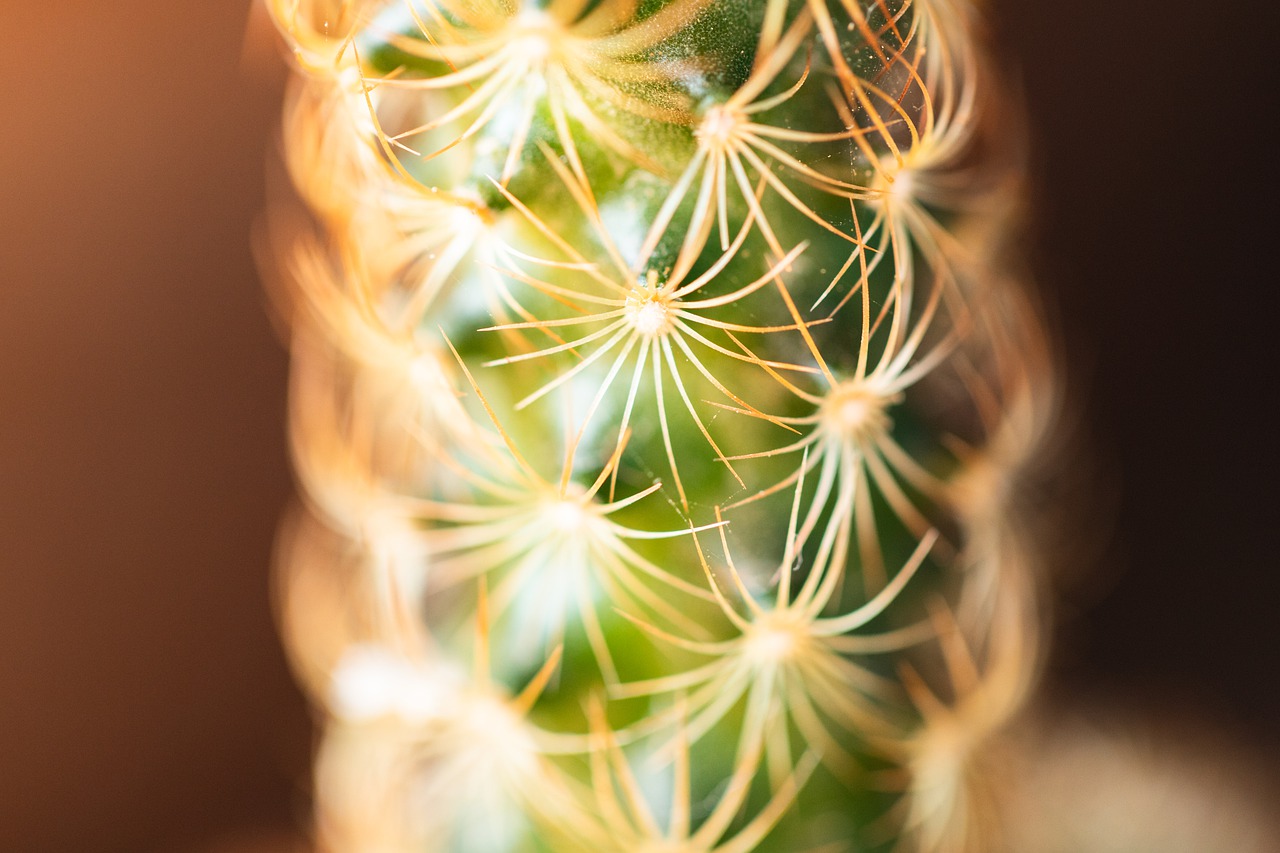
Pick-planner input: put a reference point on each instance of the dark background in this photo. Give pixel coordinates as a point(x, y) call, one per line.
point(144, 702)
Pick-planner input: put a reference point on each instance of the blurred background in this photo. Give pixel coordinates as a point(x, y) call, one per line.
point(144, 701)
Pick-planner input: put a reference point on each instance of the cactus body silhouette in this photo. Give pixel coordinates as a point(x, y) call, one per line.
point(660, 384)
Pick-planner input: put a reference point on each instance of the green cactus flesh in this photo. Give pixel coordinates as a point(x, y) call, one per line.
point(660, 378)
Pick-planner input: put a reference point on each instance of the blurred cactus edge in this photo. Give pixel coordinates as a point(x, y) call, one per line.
point(663, 380)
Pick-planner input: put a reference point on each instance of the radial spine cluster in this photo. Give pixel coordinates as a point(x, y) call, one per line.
point(662, 382)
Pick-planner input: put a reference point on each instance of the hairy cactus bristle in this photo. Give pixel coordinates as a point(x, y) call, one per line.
point(661, 381)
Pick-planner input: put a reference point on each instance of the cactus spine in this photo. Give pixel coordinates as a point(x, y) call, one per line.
point(660, 385)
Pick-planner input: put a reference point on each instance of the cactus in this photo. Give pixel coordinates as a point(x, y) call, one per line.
point(661, 383)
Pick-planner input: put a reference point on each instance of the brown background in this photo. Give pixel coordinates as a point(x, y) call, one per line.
point(144, 705)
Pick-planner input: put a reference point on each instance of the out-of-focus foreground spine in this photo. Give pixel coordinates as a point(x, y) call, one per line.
point(661, 386)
